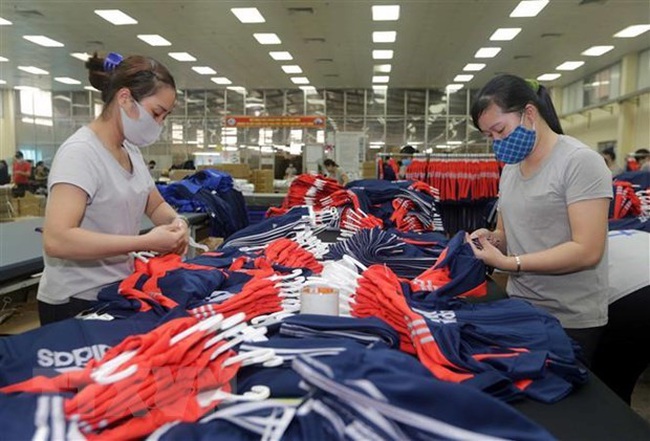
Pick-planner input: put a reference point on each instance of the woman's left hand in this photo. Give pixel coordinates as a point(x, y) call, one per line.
point(488, 253)
point(181, 225)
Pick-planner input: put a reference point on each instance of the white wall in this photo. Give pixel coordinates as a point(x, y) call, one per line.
point(7, 125)
point(602, 124)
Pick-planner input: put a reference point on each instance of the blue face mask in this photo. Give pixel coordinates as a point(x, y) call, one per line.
point(515, 147)
point(406, 162)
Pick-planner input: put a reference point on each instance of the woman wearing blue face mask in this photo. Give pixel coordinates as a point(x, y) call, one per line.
point(554, 198)
point(100, 188)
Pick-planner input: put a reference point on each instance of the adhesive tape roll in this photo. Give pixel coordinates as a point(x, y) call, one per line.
point(319, 300)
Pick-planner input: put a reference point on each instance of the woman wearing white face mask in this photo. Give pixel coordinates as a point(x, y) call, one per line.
point(100, 187)
point(554, 197)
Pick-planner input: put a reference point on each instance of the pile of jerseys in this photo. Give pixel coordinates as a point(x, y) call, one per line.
point(630, 207)
point(505, 348)
point(307, 189)
point(377, 394)
point(209, 191)
point(406, 254)
point(404, 205)
point(405, 337)
point(181, 370)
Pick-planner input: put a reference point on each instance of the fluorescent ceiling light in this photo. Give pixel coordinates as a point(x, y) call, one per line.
point(382, 54)
point(221, 80)
point(26, 88)
point(83, 56)
point(384, 36)
point(597, 51)
point(3, 82)
point(42, 40)
point(238, 89)
point(291, 69)
point(309, 90)
point(473, 67)
point(181, 56)
point(529, 8)
point(115, 16)
point(3, 59)
point(154, 40)
point(281, 55)
point(267, 38)
point(248, 15)
point(33, 70)
point(463, 78)
point(67, 80)
point(4, 22)
point(451, 88)
point(380, 79)
point(300, 80)
point(91, 88)
point(382, 68)
point(549, 77)
point(570, 65)
point(505, 34)
point(487, 52)
point(633, 31)
point(204, 70)
point(379, 88)
point(385, 13)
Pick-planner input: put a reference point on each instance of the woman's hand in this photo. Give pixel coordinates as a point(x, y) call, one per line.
point(486, 251)
point(488, 235)
point(171, 238)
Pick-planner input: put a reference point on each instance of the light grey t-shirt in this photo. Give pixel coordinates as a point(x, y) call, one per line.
point(116, 203)
point(535, 217)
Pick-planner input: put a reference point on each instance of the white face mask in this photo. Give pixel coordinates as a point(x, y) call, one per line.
point(143, 131)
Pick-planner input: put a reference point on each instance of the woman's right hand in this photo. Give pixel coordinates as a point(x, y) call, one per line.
point(166, 239)
point(488, 235)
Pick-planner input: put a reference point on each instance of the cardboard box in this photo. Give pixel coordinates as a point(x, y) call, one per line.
point(177, 175)
point(30, 205)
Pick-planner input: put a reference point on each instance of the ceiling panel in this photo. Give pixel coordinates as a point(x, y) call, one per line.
point(330, 40)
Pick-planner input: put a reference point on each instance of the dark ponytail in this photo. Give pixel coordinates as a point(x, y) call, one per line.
point(143, 76)
point(512, 94)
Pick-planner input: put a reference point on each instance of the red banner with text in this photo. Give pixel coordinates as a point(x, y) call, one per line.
point(309, 121)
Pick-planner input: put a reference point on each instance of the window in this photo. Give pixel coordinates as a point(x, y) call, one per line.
point(36, 102)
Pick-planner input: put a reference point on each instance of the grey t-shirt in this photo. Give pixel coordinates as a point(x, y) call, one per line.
point(116, 203)
point(535, 217)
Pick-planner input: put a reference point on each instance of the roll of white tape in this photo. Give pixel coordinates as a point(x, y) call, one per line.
point(321, 300)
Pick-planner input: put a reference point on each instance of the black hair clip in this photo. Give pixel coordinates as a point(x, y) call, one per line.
point(112, 60)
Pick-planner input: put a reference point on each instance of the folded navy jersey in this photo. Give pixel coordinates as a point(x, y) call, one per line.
point(630, 223)
point(269, 229)
point(392, 396)
point(376, 246)
point(639, 178)
point(283, 381)
point(69, 344)
point(456, 273)
point(509, 338)
point(425, 239)
point(36, 417)
point(217, 259)
point(369, 331)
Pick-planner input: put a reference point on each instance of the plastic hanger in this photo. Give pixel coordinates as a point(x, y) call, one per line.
point(257, 393)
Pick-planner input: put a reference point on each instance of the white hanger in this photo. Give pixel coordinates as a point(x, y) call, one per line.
point(257, 393)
